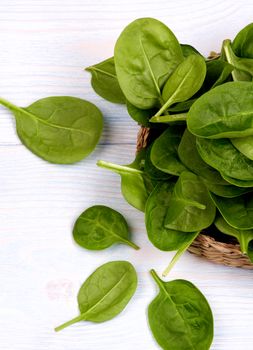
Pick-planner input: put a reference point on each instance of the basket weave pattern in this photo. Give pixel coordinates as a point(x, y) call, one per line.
point(205, 246)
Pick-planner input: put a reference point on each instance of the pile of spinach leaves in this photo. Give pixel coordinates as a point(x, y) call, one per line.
point(197, 173)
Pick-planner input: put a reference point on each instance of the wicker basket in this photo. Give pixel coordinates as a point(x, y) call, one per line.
point(226, 253)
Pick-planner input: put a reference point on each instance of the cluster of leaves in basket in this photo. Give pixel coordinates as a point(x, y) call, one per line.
point(198, 170)
point(60, 129)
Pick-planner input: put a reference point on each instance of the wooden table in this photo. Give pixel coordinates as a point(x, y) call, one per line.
point(45, 44)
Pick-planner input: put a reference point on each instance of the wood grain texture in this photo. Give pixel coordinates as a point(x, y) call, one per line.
point(44, 46)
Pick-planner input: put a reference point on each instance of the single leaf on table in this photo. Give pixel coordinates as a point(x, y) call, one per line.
point(180, 317)
point(105, 293)
point(224, 157)
point(190, 208)
point(99, 227)
point(245, 237)
point(155, 214)
point(184, 82)
point(164, 154)
point(146, 53)
point(238, 212)
point(59, 129)
point(228, 111)
point(136, 185)
point(105, 82)
point(213, 180)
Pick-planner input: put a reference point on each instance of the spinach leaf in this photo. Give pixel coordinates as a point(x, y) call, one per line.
point(155, 213)
point(99, 227)
point(164, 151)
point(243, 66)
point(224, 157)
point(190, 157)
point(217, 72)
point(245, 237)
point(58, 129)
point(141, 116)
point(190, 208)
point(236, 182)
point(153, 172)
point(135, 184)
point(180, 317)
point(243, 42)
point(181, 107)
point(104, 81)
point(184, 82)
point(105, 293)
point(244, 145)
point(146, 53)
point(189, 50)
point(228, 111)
point(238, 212)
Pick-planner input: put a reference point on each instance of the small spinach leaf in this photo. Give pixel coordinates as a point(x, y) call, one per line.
point(245, 237)
point(184, 82)
point(238, 212)
point(59, 129)
point(146, 53)
point(104, 81)
point(135, 183)
point(190, 208)
point(105, 293)
point(99, 227)
point(155, 213)
point(244, 145)
point(180, 317)
point(164, 154)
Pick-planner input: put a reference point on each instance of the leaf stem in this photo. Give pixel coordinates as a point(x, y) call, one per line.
point(178, 254)
point(69, 323)
point(9, 105)
point(130, 243)
point(155, 276)
point(169, 118)
point(164, 107)
point(117, 168)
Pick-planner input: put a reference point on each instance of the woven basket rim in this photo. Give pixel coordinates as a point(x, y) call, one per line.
point(205, 246)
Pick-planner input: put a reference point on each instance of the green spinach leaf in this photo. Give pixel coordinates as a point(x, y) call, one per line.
point(99, 227)
point(184, 82)
point(105, 293)
point(105, 82)
point(59, 129)
point(244, 145)
point(245, 237)
point(238, 212)
point(164, 154)
point(180, 317)
point(155, 214)
point(190, 208)
point(136, 185)
point(224, 157)
point(146, 54)
point(227, 111)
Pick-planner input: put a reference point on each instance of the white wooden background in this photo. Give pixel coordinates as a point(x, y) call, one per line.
point(44, 45)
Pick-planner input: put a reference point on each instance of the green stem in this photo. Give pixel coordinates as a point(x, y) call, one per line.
point(229, 55)
point(130, 243)
point(117, 168)
point(10, 105)
point(69, 323)
point(169, 118)
point(164, 108)
point(155, 276)
point(178, 254)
